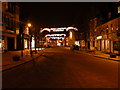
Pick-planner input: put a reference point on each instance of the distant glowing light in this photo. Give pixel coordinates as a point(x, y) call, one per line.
point(99, 37)
point(58, 44)
point(17, 31)
point(77, 43)
point(112, 28)
point(70, 34)
point(29, 25)
point(118, 9)
point(116, 28)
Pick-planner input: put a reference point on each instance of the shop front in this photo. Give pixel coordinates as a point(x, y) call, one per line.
point(26, 44)
point(116, 46)
point(105, 45)
point(8, 42)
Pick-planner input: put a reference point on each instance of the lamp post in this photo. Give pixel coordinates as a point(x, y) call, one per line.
point(22, 45)
point(29, 25)
point(21, 36)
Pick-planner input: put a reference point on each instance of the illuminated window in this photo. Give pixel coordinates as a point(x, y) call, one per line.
point(6, 6)
point(77, 43)
point(26, 30)
point(118, 9)
point(107, 26)
point(33, 42)
point(17, 31)
point(25, 43)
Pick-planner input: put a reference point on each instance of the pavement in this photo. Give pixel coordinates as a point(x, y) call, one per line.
point(8, 62)
point(98, 54)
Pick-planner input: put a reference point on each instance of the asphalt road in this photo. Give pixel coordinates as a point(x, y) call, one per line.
point(61, 68)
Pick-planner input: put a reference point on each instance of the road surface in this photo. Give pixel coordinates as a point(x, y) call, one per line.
point(61, 68)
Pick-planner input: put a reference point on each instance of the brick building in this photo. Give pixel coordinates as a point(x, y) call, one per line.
point(23, 38)
point(104, 31)
point(10, 25)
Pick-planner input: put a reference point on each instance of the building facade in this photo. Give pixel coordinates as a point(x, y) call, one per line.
point(10, 25)
point(104, 33)
point(23, 38)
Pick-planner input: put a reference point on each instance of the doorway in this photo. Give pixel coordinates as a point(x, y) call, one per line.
point(10, 44)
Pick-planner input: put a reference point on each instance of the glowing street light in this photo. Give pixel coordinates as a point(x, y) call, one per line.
point(29, 25)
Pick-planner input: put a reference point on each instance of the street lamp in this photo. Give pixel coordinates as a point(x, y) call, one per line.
point(29, 25)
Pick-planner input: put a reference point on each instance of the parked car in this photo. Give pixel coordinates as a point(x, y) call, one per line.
point(75, 47)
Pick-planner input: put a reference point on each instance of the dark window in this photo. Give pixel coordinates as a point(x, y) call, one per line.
point(111, 25)
point(107, 26)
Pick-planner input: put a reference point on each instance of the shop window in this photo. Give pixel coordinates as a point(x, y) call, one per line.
point(2, 46)
point(116, 45)
point(6, 6)
point(118, 9)
point(25, 43)
point(17, 31)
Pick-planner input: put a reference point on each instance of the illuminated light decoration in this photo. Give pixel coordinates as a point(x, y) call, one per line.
point(99, 37)
point(53, 35)
point(45, 29)
point(72, 28)
point(58, 29)
point(56, 38)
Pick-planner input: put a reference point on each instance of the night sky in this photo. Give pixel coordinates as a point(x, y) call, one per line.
point(49, 14)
